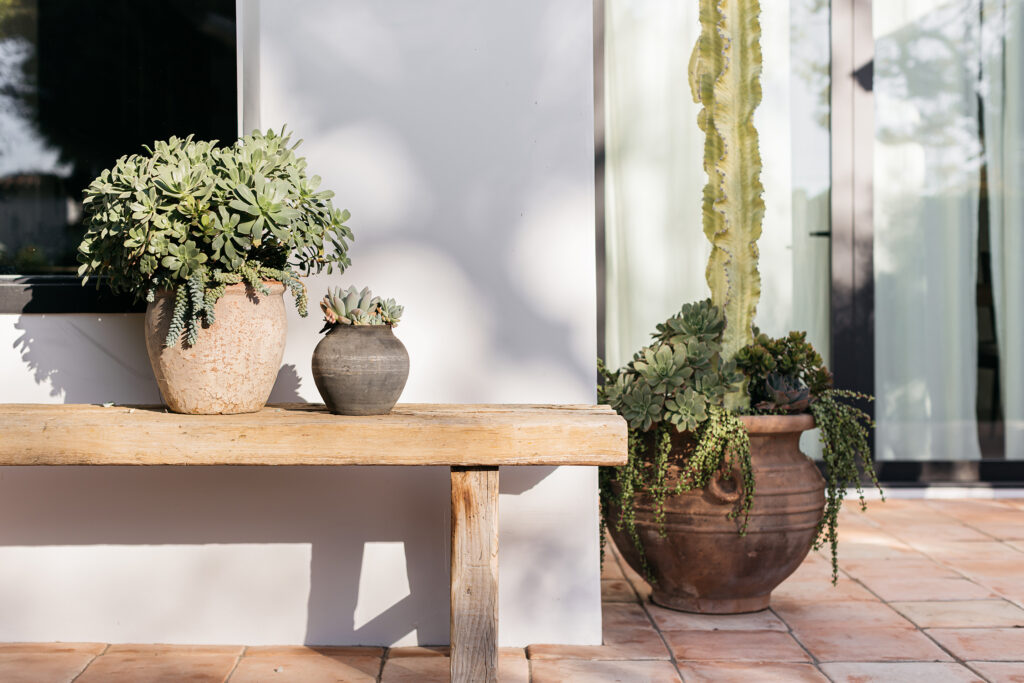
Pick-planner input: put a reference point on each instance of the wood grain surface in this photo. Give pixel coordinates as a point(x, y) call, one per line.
point(306, 434)
point(474, 577)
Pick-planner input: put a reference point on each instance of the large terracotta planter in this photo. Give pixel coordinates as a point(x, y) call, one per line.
point(233, 365)
point(703, 564)
point(360, 369)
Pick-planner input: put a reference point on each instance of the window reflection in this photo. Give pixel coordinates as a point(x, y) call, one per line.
point(83, 82)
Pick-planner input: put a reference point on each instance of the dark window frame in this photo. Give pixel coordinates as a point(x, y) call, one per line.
point(63, 292)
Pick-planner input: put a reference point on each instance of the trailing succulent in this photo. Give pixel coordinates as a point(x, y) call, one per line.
point(351, 307)
point(675, 386)
point(786, 375)
point(192, 217)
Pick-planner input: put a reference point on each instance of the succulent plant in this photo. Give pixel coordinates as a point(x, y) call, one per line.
point(678, 377)
point(192, 217)
point(352, 307)
point(784, 374)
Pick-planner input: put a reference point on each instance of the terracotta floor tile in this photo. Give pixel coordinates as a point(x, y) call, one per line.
point(308, 665)
point(961, 613)
point(512, 668)
point(839, 643)
point(983, 644)
point(617, 590)
point(52, 648)
point(672, 620)
point(735, 646)
point(861, 614)
point(903, 672)
point(172, 650)
point(918, 565)
point(42, 667)
point(748, 672)
point(610, 568)
point(560, 671)
point(918, 535)
point(399, 652)
point(159, 665)
point(821, 590)
point(950, 552)
point(316, 650)
point(909, 587)
point(1000, 672)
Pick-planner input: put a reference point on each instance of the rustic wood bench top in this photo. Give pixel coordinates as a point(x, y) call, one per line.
point(303, 434)
point(473, 440)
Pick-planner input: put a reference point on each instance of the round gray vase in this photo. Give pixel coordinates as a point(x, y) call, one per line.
point(360, 369)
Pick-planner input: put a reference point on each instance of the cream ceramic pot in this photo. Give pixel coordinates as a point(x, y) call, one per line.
point(233, 365)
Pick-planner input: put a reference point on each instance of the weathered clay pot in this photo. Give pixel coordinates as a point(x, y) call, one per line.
point(704, 565)
point(360, 369)
point(233, 365)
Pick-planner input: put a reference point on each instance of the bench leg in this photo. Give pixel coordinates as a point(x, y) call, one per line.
point(474, 590)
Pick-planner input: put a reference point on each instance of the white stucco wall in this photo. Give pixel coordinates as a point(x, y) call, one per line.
point(459, 134)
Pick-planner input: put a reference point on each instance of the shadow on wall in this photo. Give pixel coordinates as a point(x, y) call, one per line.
point(338, 511)
point(99, 359)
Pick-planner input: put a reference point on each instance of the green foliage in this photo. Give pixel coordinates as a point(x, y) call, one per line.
point(675, 386)
point(786, 375)
point(783, 374)
point(351, 307)
point(191, 216)
point(677, 377)
point(845, 443)
point(681, 435)
point(725, 72)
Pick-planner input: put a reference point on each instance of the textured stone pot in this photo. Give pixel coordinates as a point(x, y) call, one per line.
point(704, 565)
point(360, 369)
point(233, 365)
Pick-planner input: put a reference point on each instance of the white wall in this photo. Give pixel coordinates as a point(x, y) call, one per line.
point(459, 134)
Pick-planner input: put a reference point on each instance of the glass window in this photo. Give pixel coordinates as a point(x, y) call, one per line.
point(83, 82)
point(949, 229)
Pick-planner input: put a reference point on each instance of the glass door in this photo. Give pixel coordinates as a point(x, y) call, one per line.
point(948, 215)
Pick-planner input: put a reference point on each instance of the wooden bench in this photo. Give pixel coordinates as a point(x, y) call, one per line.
point(473, 440)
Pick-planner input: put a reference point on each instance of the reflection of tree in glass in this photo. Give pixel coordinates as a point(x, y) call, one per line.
point(811, 58)
point(100, 79)
point(931, 71)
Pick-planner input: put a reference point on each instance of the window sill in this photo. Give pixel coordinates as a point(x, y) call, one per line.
point(60, 294)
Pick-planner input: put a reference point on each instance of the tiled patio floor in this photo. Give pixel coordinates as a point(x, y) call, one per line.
point(930, 591)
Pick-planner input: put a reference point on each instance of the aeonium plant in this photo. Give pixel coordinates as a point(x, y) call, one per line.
point(675, 389)
point(352, 307)
point(191, 217)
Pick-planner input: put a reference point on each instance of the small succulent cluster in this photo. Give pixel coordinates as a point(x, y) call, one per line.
point(352, 307)
point(785, 374)
point(678, 377)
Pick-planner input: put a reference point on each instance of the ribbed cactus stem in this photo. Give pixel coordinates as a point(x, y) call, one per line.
point(725, 73)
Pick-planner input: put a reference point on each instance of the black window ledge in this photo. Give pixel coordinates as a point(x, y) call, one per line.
point(61, 294)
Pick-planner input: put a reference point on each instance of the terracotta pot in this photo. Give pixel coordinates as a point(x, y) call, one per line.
point(704, 565)
point(360, 369)
point(233, 365)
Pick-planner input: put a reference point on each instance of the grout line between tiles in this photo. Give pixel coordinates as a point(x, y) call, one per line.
point(619, 560)
point(238, 660)
point(106, 647)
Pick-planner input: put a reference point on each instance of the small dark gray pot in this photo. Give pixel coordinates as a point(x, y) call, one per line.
point(360, 369)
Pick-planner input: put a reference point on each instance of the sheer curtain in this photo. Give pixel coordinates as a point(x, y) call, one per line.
point(656, 249)
point(927, 159)
point(1003, 90)
point(949, 164)
point(654, 177)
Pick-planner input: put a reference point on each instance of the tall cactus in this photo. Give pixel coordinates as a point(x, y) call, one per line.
point(725, 73)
